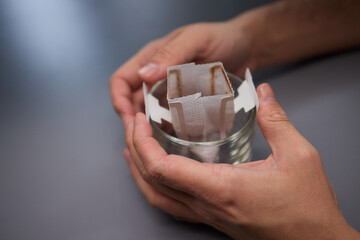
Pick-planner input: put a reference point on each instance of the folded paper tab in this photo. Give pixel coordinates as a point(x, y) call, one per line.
point(201, 101)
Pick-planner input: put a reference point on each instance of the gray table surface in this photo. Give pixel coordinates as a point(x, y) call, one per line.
point(62, 173)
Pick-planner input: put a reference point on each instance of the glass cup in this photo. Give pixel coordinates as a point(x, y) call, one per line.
point(236, 148)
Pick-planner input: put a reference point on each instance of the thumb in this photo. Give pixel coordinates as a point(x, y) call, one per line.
point(180, 50)
point(278, 131)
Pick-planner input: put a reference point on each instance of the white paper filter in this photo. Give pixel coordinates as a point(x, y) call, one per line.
point(200, 98)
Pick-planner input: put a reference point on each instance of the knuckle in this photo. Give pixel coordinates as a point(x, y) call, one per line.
point(225, 197)
point(144, 174)
point(309, 153)
point(153, 167)
point(273, 113)
point(114, 78)
point(203, 35)
point(153, 44)
point(140, 142)
point(154, 173)
point(111, 81)
point(129, 142)
point(116, 107)
point(305, 155)
point(199, 28)
point(153, 200)
point(153, 203)
point(165, 53)
point(113, 96)
point(170, 167)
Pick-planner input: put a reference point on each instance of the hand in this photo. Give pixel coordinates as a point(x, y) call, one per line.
point(203, 42)
point(286, 196)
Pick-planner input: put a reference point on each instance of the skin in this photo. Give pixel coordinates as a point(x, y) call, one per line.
point(287, 195)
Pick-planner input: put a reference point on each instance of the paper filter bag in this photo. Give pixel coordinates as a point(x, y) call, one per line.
point(201, 101)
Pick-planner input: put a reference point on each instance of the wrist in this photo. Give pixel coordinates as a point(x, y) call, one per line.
point(250, 26)
point(347, 232)
point(336, 228)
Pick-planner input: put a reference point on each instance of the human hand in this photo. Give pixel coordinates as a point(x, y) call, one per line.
point(201, 43)
point(286, 196)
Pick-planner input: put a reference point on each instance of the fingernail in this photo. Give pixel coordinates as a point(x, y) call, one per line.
point(266, 93)
point(149, 70)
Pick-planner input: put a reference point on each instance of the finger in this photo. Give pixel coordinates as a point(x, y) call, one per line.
point(183, 48)
point(128, 71)
point(204, 188)
point(278, 131)
point(138, 100)
point(201, 180)
point(121, 97)
point(158, 199)
point(181, 196)
point(192, 204)
point(129, 132)
point(125, 80)
point(141, 168)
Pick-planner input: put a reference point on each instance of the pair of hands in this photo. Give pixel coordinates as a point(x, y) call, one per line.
point(199, 43)
point(286, 196)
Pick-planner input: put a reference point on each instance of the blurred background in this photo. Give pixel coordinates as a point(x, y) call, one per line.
point(62, 173)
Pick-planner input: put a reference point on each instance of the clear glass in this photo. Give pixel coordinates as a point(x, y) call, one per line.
point(236, 148)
